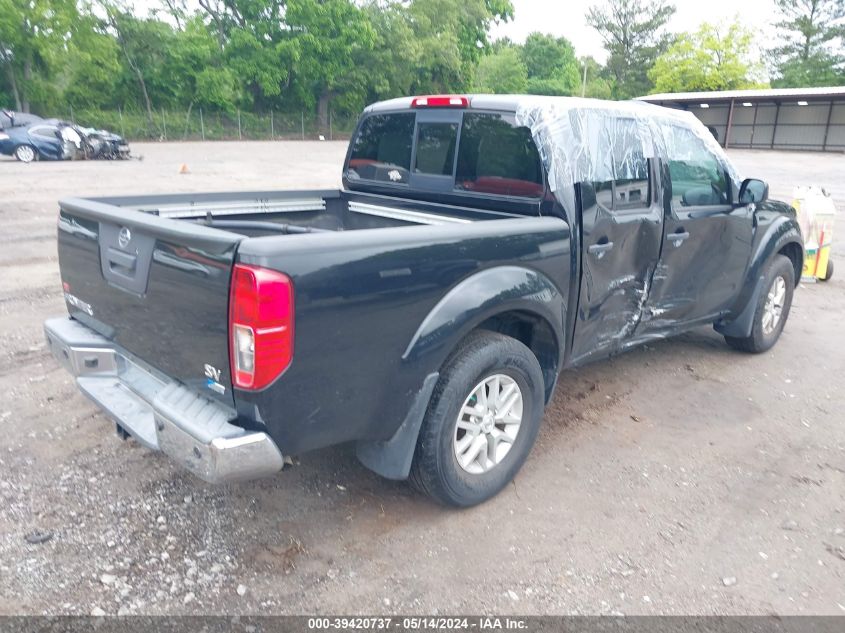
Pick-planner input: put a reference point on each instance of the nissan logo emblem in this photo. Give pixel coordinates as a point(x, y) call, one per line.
point(123, 237)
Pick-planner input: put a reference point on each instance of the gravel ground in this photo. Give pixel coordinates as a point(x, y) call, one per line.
point(678, 478)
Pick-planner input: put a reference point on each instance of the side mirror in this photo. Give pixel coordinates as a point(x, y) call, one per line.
point(753, 190)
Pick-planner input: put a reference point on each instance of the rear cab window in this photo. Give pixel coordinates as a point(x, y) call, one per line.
point(463, 154)
point(381, 151)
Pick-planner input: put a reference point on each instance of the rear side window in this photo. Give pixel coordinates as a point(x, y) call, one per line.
point(497, 157)
point(45, 131)
point(382, 149)
point(631, 187)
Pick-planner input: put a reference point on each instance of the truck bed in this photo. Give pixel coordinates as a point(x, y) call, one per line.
point(269, 212)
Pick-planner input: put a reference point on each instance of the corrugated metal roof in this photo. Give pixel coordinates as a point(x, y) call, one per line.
point(768, 93)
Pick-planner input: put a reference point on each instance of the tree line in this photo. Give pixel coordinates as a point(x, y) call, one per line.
point(336, 55)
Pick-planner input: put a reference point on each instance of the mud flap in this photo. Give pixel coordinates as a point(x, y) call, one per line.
point(741, 326)
point(392, 458)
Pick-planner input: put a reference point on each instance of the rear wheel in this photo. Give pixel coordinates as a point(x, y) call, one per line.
point(481, 422)
point(25, 153)
point(772, 308)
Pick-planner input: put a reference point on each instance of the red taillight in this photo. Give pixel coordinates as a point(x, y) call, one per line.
point(440, 101)
point(260, 325)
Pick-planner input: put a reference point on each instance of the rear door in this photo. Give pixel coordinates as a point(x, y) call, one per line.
point(622, 224)
point(157, 287)
point(707, 240)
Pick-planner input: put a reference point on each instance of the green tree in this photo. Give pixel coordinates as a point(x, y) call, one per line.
point(258, 46)
point(452, 37)
point(32, 47)
point(811, 53)
point(551, 64)
point(393, 61)
point(333, 37)
point(144, 44)
point(195, 58)
point(475, 26)
point(502, 72)
point(633, 32)
point(709, 59)
point(93, 68)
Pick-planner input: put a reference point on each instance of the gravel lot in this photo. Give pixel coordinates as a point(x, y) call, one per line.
point(681, 477)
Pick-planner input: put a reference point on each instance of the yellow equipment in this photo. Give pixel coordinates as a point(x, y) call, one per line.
point(816, 213)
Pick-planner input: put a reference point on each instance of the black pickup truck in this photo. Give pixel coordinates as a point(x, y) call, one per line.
point(423, 312)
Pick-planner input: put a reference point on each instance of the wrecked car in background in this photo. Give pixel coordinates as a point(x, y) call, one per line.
point(479, 245)
point(102, 144)
point(42, 141)
point(29, 138)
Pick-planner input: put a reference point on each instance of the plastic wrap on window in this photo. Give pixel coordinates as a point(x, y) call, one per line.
point(587, 140)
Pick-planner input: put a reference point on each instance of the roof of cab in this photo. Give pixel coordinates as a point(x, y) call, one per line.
point(513, 102)
point(482, 102)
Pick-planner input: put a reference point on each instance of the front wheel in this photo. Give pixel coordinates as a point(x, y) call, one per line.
point(25, 153)
point(772, 308)
point(481, 422)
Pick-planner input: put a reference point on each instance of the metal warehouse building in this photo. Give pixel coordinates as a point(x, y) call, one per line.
point(791, 118)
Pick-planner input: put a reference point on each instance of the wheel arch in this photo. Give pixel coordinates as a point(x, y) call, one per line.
point(781, 237)
point(795, 252)
point(516, 301)
point(537, 334)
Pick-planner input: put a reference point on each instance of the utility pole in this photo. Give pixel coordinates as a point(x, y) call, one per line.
point(584, 80)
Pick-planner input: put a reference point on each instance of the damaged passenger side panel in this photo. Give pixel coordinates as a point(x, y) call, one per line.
point(622, 225)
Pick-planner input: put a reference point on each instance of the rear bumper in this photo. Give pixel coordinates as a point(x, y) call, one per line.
point(162, 414)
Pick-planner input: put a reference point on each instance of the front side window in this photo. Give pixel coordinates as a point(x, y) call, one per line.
point(382, 149)
point(698, 178)
point(496, 157)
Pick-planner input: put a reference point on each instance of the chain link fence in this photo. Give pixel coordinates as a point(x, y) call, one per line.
point(199, 125)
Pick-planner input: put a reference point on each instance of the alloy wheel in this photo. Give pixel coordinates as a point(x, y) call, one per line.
point(488, 424)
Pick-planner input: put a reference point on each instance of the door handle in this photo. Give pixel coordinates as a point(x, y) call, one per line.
point(120, 262)
point(600, 249)
point(679, 237)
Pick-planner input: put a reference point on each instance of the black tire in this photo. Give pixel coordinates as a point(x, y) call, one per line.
point(760, 340)
point(26, 153)
point(435, 470)
point(829, 272)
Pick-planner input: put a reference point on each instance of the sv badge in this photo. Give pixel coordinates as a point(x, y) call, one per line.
point(212, 372)
point(213, 382)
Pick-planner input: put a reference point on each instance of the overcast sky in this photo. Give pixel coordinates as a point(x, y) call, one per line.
point(566, 18)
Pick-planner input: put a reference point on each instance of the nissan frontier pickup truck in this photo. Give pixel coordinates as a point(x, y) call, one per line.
point(422, 313)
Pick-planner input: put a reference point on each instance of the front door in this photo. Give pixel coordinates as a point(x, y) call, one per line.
point(622, 224)
point(707, 239)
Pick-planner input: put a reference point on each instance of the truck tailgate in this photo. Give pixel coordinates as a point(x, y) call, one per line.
point(158, 288)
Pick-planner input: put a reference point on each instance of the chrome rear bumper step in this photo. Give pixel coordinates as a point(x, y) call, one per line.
point(161, 413)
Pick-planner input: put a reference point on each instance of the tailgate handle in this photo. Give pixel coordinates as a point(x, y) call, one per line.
point(121, 263)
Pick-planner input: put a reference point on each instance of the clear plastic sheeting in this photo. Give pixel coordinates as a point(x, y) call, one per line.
point(588, 140)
